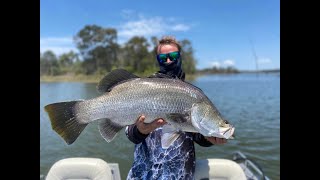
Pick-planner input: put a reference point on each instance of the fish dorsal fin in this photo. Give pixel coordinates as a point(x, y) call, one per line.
point(114, 77)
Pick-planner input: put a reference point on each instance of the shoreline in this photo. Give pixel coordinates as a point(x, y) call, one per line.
point(71, 78)
point(89, 79)
point(97, 78)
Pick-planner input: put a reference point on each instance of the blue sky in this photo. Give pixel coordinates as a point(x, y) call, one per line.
point(222, 32)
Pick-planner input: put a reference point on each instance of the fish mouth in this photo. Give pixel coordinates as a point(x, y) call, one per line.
point(226, 132)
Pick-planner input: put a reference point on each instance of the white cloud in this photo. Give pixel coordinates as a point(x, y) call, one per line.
point(180, 27)
point(264, 61)
point(58, 45)
point(225, 63)
point(136, 25)
point(142, 27)
point(55, 40)
point(128, 13)
point(215, 64)
point(147, 27)
point(228, 62)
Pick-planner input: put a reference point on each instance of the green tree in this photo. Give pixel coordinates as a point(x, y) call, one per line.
point(43, 66)
point(189, 62)
point(136, 55)
point(98, 48)
point(154, 41)
point(67, 60)
point(49, 64)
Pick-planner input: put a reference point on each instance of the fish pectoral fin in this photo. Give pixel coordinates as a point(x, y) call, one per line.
point(178, 118)
point(113, 78)
point(168, 128)
point(109, 129)
point(168, 138)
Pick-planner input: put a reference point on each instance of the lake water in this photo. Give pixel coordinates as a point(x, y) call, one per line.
point(251, 102)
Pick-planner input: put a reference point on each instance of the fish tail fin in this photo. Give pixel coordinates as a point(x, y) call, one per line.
point(109, 129)
point(64, 121)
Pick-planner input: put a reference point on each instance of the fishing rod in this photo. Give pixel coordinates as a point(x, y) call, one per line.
point(255, 56)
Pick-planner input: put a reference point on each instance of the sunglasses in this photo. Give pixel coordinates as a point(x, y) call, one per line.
point(173, 56)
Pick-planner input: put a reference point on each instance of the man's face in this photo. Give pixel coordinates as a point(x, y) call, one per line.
point(167, 48)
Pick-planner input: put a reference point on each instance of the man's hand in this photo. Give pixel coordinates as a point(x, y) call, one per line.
point(146, 128)
point(216, 140)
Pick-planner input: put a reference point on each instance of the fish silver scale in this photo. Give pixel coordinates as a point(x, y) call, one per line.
point(153, 97)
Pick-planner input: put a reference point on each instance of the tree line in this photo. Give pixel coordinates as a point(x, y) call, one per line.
point(100, 52)
point(219, 70)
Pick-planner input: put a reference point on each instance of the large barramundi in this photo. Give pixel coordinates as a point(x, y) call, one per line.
point(126, 96)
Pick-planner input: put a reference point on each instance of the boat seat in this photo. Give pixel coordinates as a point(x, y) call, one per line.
point(80, 169)
point(218, 169)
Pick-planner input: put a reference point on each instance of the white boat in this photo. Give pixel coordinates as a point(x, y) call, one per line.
point(238, 168)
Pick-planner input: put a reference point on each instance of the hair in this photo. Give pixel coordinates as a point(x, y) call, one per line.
point(167, 40)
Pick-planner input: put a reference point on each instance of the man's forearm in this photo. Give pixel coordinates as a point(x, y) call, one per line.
point(134, 135)
point(201, 140)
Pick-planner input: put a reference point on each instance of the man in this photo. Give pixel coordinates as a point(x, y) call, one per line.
point(151, 160)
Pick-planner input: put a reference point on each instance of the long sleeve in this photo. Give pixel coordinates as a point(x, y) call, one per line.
point(134, 135)
point(201, 140)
